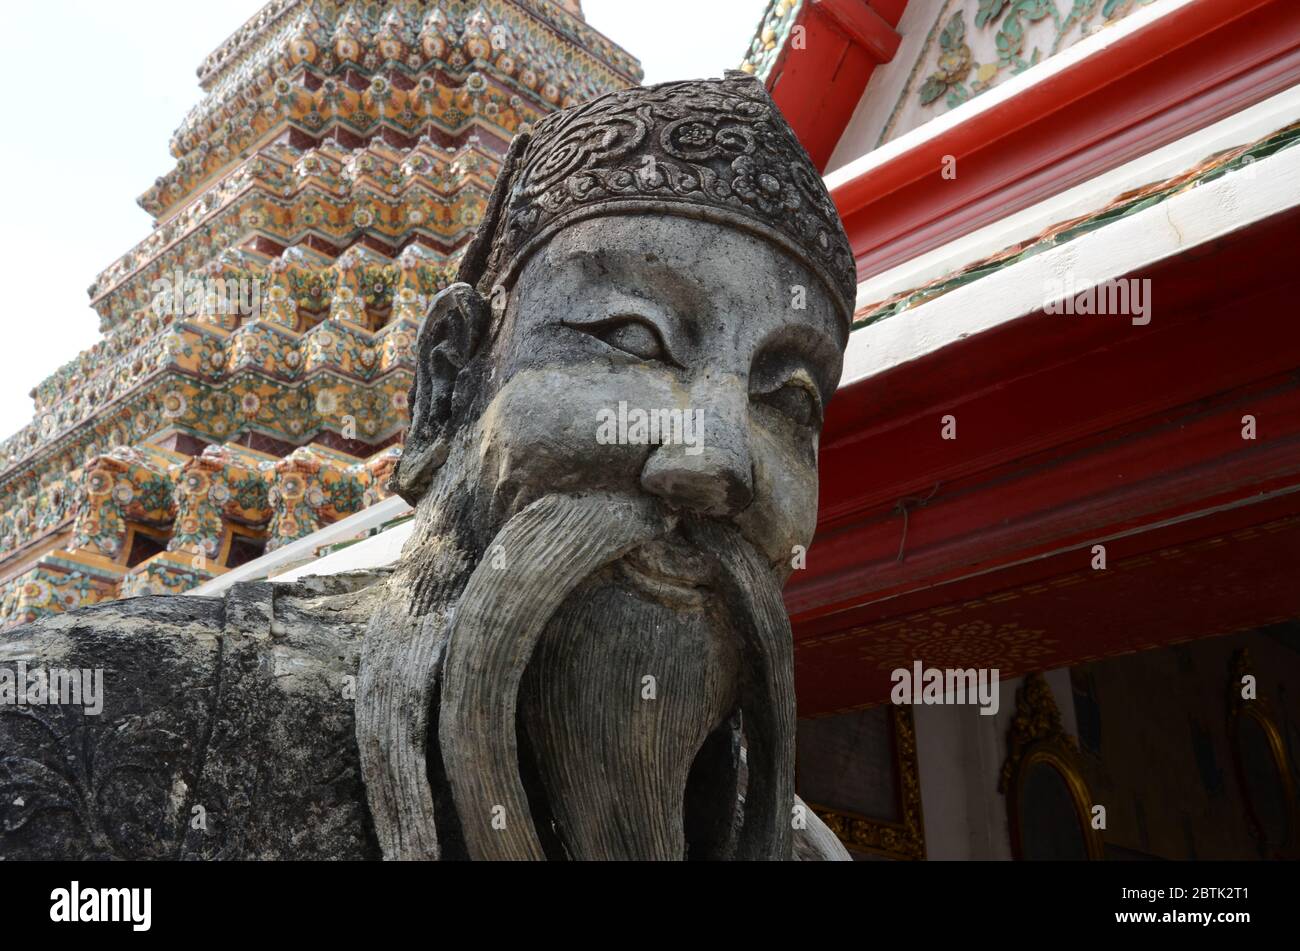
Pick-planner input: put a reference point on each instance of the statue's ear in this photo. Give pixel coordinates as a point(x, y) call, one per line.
point(453, 331)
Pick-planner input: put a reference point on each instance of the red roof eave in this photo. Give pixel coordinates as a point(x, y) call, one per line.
point(1177, 74)
point(829, 54)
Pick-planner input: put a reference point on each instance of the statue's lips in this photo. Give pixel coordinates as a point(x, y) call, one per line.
point(671, 561)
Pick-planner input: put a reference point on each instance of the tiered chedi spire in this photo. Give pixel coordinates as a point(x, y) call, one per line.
point(251, 383)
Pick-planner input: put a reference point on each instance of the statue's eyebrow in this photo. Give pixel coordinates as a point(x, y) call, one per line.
point(620, 303)
point(812, 347)
point(607, 311)
point(656, 310)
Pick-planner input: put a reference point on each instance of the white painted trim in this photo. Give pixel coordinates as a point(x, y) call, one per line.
point(305, 548)
point(377, 551)
point(1044, 72)
point(1191, 218)
point(1244, 127)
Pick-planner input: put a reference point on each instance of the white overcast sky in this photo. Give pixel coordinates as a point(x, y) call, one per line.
point(96, 90)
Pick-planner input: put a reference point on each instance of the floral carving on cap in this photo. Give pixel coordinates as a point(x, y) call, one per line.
point(718, 150)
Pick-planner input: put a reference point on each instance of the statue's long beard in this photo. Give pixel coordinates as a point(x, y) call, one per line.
point(479, 653)
point(620, 697)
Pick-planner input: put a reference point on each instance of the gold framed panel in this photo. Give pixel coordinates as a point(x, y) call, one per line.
point(903, 839)
point(1037, 737)
point(1260, 711)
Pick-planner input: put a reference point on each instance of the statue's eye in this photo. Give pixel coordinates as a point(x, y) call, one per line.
point(795, 400)
point(631, 334)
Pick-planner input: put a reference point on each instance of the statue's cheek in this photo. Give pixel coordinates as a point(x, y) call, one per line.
point(571, 428)
point(784, 511)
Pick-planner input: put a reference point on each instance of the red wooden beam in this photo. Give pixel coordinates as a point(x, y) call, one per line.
point(1211, 577)
point(863, 26)
point(1172, 468)
point(820, 75)
point(1243, 514)
point(1069, 429)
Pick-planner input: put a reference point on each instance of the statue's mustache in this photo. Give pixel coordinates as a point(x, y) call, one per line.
point(478, 653)
point(548, 549)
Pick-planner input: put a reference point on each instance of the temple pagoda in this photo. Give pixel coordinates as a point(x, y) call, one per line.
point(250, 385)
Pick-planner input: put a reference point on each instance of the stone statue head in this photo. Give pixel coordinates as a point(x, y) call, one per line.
point(613, 454)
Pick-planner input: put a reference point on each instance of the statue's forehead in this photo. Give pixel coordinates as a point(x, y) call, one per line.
point(675, 255)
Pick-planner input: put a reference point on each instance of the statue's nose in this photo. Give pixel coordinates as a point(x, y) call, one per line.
point(710, 471)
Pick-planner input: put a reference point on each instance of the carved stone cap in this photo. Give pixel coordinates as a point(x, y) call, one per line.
point(716, 150)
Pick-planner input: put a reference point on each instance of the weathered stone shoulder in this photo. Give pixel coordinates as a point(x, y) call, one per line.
point(222, 727)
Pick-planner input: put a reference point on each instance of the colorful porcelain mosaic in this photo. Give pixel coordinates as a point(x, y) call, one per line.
point(323, 192)
point(974, 45)
point(403, 65)
point(774, 31)
point(205, 503)
point(331, 196)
